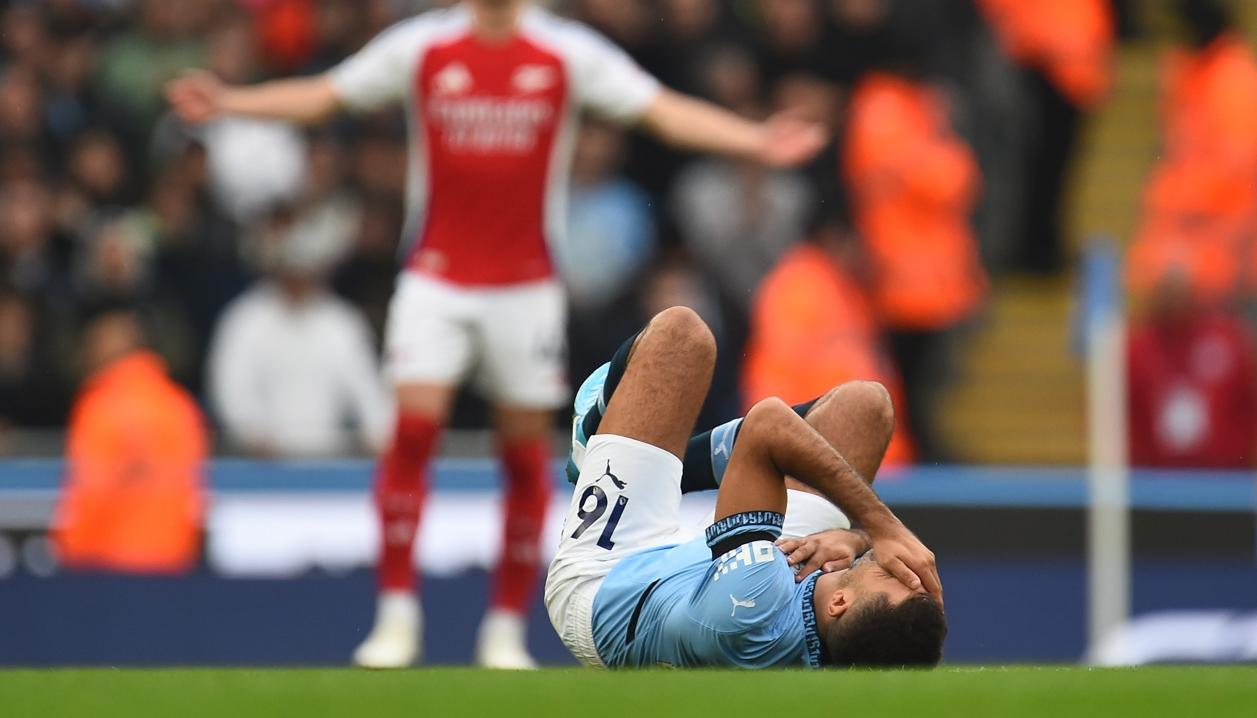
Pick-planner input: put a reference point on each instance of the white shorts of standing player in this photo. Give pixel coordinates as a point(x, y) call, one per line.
point(509, 343)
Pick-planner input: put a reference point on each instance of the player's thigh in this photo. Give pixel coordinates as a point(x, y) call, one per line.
point(809, 513)
point(434, 401)
point(665, 383)
point(627, 499)
point(521, 333)
point(428, 340)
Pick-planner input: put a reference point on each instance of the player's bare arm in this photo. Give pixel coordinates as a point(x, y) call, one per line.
point(776, 442)
point(693, 124)
point(199, 96)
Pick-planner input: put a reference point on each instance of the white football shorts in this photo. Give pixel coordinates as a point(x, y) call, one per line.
point(627, 500)
point(509, 341)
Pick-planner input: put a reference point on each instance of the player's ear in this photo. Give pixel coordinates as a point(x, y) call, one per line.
point(838, 603)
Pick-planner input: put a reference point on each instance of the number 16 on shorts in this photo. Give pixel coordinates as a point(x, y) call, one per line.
point(588, 516)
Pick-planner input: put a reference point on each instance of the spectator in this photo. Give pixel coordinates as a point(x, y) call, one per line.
point(30, 387)
point(791, 36)
point(914, 183)
point(676, 282)
point(133, 499)
point(1201, 199)
point(98, 170)
point(253, 164)
point(813, 328)
point(32, 256)
point(859, 37)
point(738, 219)
point(136, 63)
point(367, 275)
point(23, 34)
point(610, 241)
point(290, 364)
point(70, 107)
point(21, 103)
point(1192, 384)
point(1066, 47)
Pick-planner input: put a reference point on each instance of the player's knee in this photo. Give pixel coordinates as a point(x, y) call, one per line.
point(766, 417)
point(684, 334)
point(873, 402)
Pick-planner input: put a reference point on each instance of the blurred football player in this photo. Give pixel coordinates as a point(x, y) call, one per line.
point(492, 89)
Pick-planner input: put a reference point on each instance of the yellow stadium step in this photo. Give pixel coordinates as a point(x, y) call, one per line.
point(1019, 392)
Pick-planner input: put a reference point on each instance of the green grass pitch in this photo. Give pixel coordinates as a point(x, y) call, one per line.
point(1020, 692)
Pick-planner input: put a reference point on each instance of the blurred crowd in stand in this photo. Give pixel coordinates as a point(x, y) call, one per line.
point(259, 258)
point(1192, 269)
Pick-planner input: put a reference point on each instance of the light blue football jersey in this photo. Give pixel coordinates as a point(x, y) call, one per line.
point(679, 606)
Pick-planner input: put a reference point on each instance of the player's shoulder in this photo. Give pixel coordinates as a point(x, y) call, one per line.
point(569, 36)
point(746, 587)
point(430, 25)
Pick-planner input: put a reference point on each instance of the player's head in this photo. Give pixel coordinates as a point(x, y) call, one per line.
point(871, 619)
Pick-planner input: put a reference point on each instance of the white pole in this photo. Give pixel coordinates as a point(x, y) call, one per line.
point(1108, 519)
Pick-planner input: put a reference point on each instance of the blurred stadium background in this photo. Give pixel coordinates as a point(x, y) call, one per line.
point(1099, 159)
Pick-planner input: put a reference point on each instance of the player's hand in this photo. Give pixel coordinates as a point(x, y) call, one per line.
point(196, 96)
point(790, 140)
point(903, 556)
point(826, 551)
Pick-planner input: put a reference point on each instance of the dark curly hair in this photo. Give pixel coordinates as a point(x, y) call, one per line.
point(878, 634)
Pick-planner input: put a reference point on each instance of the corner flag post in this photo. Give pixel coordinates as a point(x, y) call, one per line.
point(1108, 519)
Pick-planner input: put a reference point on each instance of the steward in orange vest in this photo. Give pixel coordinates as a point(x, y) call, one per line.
point(913, 184)
point(812, 328)
point(1200, 203)
point(1066, 50)
point(133, 499)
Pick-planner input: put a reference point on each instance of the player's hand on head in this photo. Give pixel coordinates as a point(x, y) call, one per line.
point(826, 551)
point(902, 555)
point(195, 96)
point(791, 140)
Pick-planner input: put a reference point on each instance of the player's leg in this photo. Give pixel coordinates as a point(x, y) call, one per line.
point(857, 418)
point(628, 493)
point(521, 335)
point(427, 355)
point(665, 382)
point(775, 443)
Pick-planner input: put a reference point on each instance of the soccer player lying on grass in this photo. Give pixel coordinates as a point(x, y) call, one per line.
point(627, 589)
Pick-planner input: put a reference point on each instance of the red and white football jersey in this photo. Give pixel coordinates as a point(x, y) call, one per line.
point(492, 127)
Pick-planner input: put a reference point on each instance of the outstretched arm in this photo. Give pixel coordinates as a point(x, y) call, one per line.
point(199, 96)
point(697, 125)
point(775, 443)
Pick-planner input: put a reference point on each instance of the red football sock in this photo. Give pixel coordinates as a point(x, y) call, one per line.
point(527, 498)
point(401, 487)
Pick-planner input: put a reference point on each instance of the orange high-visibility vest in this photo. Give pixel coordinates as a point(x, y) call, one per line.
point(1201, 198)
point(913, 184)
point(812, 329)
point(1071, 41)
point(132, 499)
